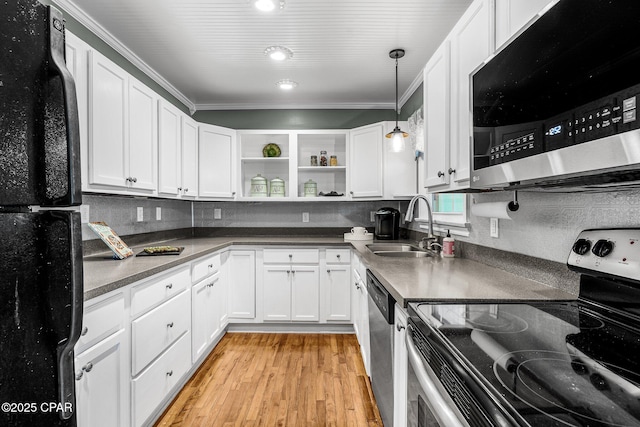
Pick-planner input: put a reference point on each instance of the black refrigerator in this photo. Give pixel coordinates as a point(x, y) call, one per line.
point(41, 291)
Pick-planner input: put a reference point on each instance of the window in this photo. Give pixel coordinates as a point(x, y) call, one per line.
point(449, 213)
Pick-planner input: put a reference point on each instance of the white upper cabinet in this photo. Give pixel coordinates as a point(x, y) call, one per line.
point(189, 187)
point(143, 136)
point(122, 139)
point(169, 149)
point(216, 162)
point(399, 169)
point(365, 164)
point(513, 15)
point(437, 115)
point(448, 98)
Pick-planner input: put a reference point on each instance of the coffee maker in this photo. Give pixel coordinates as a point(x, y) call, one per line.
point(387, 224)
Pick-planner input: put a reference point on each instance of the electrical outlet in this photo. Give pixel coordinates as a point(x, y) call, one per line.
point(140, 214)
point(305, 216)
point(372, 216)
point(158, 213)
point(84, 214)
point(493, 228)
point(217, 213)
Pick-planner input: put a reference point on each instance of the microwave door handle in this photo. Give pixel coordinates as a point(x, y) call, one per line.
point(58, 66)
point(66, 370)
point(440, 406)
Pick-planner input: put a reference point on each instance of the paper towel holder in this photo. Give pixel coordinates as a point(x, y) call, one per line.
point(514, 205)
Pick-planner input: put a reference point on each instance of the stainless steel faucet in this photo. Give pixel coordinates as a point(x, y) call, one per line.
point(409, 216)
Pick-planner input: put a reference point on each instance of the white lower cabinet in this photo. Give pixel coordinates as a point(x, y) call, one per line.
point(242, 294)
point(361, 310)
point(208, 311)
point(155, 383)
point(290, 293)
point(400, 367)
point(102, 382)
point(335, 285)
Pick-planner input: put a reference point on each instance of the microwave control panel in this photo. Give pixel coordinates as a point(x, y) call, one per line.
point(605, 117)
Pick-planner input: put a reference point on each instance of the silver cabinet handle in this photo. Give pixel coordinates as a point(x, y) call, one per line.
point(440, 174)
point(79, 375)
point(400, 327)
point(170, 285)
point(451, 171)
point(357, 285)
point(134, 179)
point(170, 373)
point(186, 190)
point(338, 256)
point(328, 271)
point(88, 367)
point(85, 330)
point(179, 188)
point(170, 325)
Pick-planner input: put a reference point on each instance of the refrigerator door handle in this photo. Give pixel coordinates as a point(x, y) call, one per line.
point(58, 65)
point(66, 370)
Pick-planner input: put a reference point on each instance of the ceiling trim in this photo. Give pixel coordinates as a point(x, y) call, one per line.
point(343, 106)
point(415, 84)
point(81, 16)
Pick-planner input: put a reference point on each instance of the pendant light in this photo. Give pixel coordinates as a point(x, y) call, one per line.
point(397, 136)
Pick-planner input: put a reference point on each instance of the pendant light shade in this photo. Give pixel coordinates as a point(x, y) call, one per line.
point(397, 136)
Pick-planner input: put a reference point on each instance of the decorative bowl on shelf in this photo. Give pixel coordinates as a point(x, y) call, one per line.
point(271, 150)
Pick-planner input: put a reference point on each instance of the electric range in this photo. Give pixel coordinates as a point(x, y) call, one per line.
point(545, 363)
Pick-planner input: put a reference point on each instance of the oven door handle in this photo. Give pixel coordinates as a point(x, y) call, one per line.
point(441, 405)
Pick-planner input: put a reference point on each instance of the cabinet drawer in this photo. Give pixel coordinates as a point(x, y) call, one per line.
point(156, 330)
point(160, 288)
point(284, 256)
point(101, 320)
point(155, 383)
point(205, 267)
point(338, 256)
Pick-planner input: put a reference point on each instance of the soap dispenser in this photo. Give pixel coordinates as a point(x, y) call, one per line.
point(448, 249)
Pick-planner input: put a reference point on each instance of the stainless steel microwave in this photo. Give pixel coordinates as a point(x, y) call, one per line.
point(557, 106)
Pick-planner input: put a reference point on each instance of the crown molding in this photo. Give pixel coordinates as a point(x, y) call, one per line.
point(338, 106)
point(82, 17)
point(415, 84)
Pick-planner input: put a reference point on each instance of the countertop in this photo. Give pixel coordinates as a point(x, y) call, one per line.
point(407, 279)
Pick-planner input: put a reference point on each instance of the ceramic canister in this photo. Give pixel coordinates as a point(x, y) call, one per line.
point(258, 186)
point(310, 189)
point(276, 188)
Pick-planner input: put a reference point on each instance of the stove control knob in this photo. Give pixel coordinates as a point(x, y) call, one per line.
point(581, 246)
point(602, 248)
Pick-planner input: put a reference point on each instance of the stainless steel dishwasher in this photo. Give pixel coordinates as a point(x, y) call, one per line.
point(381, 313)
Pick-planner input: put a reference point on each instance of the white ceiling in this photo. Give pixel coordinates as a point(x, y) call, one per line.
point(210, 52)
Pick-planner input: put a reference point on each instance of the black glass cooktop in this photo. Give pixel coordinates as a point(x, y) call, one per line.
point(555, 364)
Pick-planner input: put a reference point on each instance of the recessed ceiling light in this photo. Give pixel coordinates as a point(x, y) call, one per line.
point(268, 5)
point(286, 84)
point(278, 53)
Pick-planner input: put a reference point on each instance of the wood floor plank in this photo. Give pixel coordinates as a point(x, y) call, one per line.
point(253, 379)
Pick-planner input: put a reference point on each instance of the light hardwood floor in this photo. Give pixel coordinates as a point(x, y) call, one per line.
point(254, 379)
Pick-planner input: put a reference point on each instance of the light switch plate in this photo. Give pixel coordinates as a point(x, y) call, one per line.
point(493, 228)
point(84, 214)
point(305, 216)
point(158, 213)
point(372, 216)
point(217, 213)
point(140, 214)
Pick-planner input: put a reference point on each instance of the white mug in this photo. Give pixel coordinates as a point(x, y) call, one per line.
point(359, 231)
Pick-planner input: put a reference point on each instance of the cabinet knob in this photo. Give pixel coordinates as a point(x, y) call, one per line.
point(186, 190)
point(233, 193)
point(451, 171)
point(84, 332)
point(88, 367)
point(440, 174)
point(170, 373)
point(170, 325)
point(170, 285)
point(79, 375)
point(400, 327)
point(179, 189)
point(128, 179)
point(357, 285)
point(351, 192)
point(134, 179)
point(338, 256)
point(328, 271)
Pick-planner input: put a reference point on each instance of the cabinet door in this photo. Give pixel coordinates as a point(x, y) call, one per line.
point(436, 116)
point(169, 148)
point(305, 298)
point(242, 295)
point(143, 136)
point(216, 167)
point(108, 116)
point(364, 326)
point(102, 383)
point(512, 15)
point(365, 161)
point(336, 283)
point(200, 318)
point(276, 282)
point(471, 43)
point(189, 157)
point(400, 367)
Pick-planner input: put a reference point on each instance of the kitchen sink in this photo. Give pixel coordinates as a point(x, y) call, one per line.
point(393, 247)
point(399, 250)
point(411, 254)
